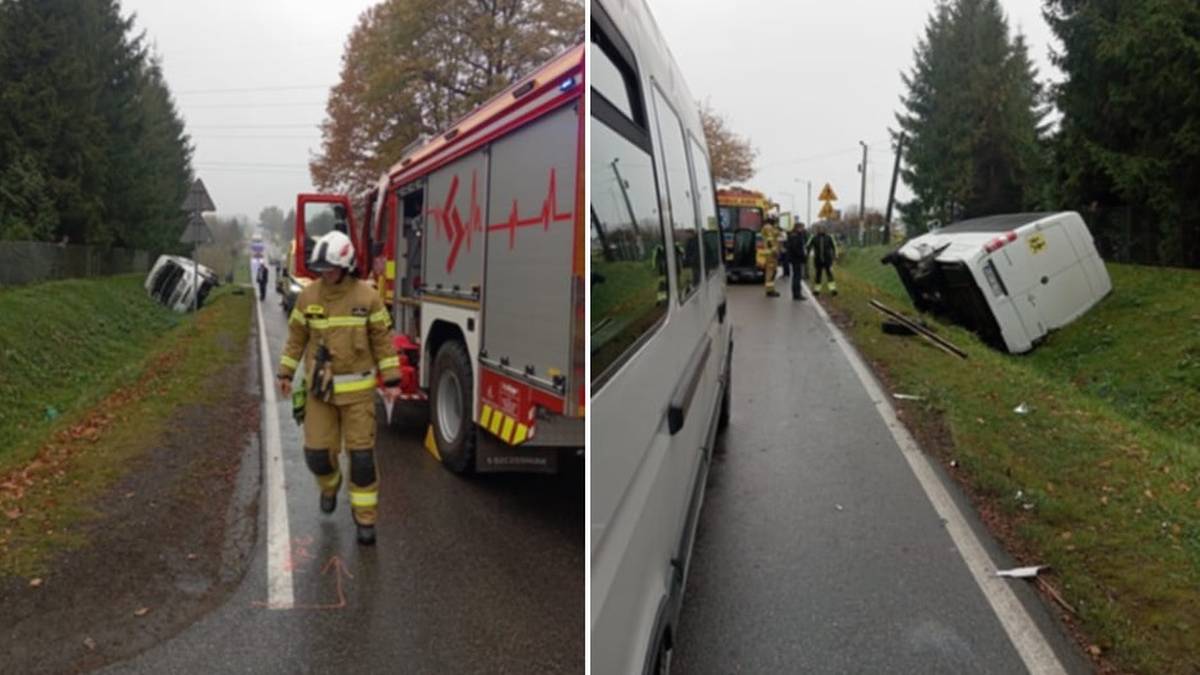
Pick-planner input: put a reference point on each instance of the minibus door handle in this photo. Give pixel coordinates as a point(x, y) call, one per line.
point(685, 389)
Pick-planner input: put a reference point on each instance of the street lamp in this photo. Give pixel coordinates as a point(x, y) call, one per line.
point(808, 215)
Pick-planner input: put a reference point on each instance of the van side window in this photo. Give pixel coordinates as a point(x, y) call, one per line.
point(708, 210)
point(689, 270)
point(629, 285)
point(608, 81)
point(629, 268)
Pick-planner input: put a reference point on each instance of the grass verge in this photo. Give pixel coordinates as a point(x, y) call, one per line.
point(1101, 480)
point(113, 366)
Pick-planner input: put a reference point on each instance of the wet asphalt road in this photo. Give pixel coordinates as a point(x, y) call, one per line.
point(817, 549)
point(478, 574)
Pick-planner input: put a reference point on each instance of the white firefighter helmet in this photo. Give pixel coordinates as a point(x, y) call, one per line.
point(331, 250)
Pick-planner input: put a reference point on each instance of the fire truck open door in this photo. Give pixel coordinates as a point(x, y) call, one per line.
point(318, 214)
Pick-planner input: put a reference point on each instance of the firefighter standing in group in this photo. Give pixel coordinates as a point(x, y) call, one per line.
point(343, 332)
point(770, 237)
point(824, 250)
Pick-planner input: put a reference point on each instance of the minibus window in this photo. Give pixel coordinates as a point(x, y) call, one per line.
point(628, 249)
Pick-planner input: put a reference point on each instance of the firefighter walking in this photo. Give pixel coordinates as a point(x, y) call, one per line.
point(341, 329)
point(824, 250)
point(770, 237)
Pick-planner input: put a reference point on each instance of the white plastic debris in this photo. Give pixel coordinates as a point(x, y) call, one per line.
point(1022, 572)
point(1022, 409)
point(908, 397)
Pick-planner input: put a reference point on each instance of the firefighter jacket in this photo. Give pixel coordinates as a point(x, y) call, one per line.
point(770, 237)
point(824, 249)
point(349, 319)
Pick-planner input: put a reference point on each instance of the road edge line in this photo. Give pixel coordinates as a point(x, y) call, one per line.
point(280, 588)
point(1026, 637)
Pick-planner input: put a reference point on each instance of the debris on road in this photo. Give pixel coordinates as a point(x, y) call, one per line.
point(141, 611)
point(908, 397)
point(35, 583)
point(937, 341)
point(1022, 572)
point(1042, 584)
point(89, 643)
point(1022, 409)
point(838, 507)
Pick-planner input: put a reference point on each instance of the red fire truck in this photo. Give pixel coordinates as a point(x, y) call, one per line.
point(474, 239)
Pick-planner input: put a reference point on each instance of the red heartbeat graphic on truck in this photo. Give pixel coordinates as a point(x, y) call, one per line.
point(450, 222)
point(549, 214)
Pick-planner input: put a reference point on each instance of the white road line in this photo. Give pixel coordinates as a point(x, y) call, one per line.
point(280, 591)
point(1028, 640)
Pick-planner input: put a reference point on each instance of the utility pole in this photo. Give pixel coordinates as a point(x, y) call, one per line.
point(629, 207)
point(887, 219)
point(862, 200)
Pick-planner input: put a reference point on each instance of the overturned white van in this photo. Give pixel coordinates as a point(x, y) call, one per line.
point(173, 282)
point(1011, 278)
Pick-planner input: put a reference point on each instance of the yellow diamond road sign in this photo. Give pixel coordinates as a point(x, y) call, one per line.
point(827, 194)
point(827, 212)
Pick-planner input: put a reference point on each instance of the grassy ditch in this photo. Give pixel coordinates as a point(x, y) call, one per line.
point(92, 370)
point(1101, 479)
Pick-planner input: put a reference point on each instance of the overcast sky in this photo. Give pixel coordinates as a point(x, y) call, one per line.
point(252, 146)
point(806, 81)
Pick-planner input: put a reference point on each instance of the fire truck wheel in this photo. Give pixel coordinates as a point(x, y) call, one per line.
point(450, 407)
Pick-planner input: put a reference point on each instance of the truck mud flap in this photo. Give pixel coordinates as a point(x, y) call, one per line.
point(494, 456)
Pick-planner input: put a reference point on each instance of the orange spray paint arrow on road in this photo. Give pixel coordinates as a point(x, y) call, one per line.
point(339, 570)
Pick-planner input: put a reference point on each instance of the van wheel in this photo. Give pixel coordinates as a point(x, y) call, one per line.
point(450, 407)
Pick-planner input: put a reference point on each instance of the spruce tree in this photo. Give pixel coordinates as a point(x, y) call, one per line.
point(1129, 147)
point(972, 116)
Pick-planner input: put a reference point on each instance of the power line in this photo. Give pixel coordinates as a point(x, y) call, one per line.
point(297, 104)
point(291, 165)
point(824, 155)
point(237, 90)
point(252, 138)
point(255, 126)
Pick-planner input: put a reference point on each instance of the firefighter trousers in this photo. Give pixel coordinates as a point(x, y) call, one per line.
point(327, 429)
point(769, 276)
point(832, 285)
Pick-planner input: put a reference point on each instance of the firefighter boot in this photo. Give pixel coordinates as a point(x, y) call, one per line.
point(832, 288)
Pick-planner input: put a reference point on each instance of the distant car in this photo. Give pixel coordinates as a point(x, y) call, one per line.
point(173, 282)
point(1010, 278)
